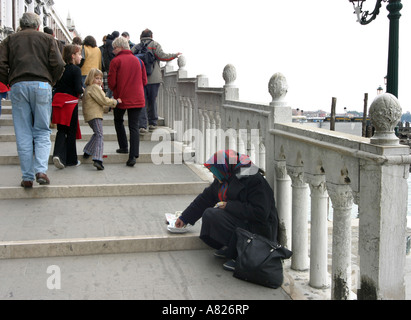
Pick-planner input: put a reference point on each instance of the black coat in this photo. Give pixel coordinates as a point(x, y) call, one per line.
point(70, 82)
point(108, 53)
point(249, 197)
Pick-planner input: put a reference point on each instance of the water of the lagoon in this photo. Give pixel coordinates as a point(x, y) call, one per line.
point(355, 207)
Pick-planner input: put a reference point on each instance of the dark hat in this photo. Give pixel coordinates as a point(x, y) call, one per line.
point(115, 34)
point(48, 30)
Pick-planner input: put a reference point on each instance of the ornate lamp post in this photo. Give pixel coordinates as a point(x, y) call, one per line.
point(365, 17)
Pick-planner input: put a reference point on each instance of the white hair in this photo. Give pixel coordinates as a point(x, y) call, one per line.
point(30, 20)
point(122, 43)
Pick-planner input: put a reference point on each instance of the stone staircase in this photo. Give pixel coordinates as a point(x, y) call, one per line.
point(85, 211)
point(85, 214)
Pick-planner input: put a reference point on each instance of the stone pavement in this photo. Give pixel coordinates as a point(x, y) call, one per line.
point(102, 234)
point(172, 275)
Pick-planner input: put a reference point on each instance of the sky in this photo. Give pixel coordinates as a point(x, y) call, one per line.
point(317, 45)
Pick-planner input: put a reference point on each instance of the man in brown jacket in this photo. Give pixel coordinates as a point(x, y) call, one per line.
point(31, 63)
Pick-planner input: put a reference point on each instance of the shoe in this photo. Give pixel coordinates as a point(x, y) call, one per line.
point(86, 156)
point(74, 165)
point(131, 162)
point(152, 127)
point(57, 163)
point(122, 150)
point(229, 265)
point(143, 131)
point(27, 184)
point(42, 179)
point(98, 165)
point(221, 253)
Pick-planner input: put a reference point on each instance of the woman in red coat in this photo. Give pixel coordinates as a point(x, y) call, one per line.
point(127, 78)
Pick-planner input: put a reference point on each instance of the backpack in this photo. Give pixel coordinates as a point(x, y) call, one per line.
point(145, 55)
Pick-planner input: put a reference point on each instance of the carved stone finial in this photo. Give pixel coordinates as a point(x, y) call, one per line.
point(278, 87)
point(385, 113)
point(229, 74)
point(181, 62)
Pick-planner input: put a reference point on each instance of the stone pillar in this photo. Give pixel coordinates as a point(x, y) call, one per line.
point(8, 22)
point(202, 81)
point(342, 200)
point(283, 192)
point(300, 207)
point(319, 232)
point(383, 209)
point(31, 6)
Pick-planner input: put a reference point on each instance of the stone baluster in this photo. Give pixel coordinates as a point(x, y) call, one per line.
point(299, 221)
point(283, 196)
point(207, 135)
point(200, 145)
point(319, 232)
point(342, 200)
point(172, 102)
point(232, 139)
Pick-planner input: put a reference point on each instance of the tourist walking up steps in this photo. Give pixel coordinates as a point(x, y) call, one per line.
point(31, 63)
point(149, 114)
point(65, 109)
point(93, 57)
point(94, 102)
point(108, 55)
point(127, 78)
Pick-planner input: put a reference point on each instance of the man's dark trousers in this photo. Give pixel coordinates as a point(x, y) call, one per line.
point(149, 112)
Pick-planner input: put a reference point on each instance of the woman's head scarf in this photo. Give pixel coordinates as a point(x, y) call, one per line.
point(224, 164)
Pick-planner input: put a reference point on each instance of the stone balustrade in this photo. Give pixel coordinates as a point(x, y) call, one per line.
point(306, 166)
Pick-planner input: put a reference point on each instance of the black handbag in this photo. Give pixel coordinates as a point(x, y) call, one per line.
point(259, 260)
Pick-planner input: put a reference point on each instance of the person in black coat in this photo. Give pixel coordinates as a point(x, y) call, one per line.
point(239, 197)
point(65, 150)
point(108, 53)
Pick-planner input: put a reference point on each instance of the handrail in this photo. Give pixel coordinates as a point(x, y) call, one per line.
point(393, 160)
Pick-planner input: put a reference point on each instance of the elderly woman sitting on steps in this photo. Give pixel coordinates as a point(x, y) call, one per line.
point(239, 197)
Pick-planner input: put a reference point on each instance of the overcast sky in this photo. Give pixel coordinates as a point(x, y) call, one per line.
point(317, 45)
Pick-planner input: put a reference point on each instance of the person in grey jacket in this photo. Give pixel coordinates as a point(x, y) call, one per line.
point(31, 63)
point(148, 114)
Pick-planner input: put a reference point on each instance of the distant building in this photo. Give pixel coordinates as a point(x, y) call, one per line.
point(12, 10)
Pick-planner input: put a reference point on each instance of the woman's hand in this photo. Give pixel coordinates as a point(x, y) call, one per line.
point(221, 205)
point(179, 223)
